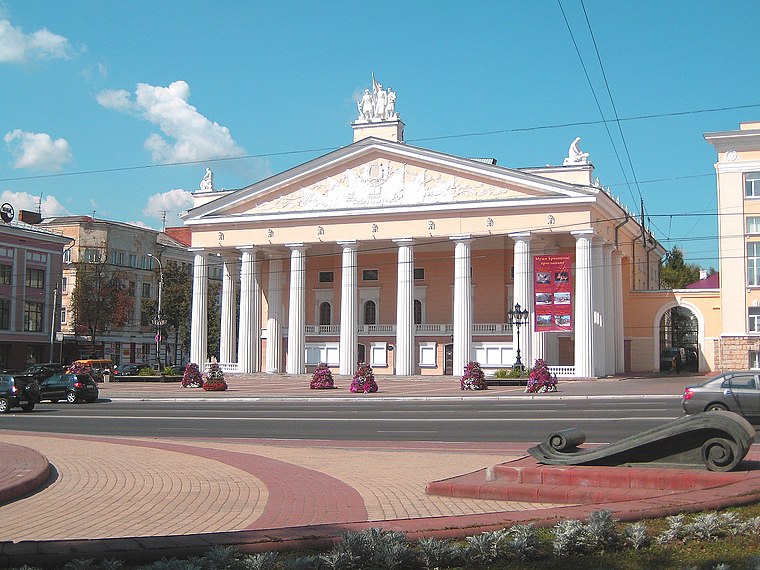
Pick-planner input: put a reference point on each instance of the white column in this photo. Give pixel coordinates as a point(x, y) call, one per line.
point(598, 358)
point(198, 325)
point(583, 311)
point(274, 316)
point(297, 311)
point(609, 332)
point(349, 337)
point(462, 303)
point(617, 295)
point(227, 331)
point(539, 340)
point(249, 339)
point(524, 293)
point(404, 353)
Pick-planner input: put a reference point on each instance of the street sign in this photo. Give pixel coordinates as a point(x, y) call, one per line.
point(159, 322)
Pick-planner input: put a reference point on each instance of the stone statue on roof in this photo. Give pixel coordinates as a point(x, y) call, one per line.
point(575, 155)
point(377, 105)
point(207, 184)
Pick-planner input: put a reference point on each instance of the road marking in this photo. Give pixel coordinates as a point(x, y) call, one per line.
point(332, 419)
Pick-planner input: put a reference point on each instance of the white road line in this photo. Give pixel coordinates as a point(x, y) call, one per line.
point(332, 419)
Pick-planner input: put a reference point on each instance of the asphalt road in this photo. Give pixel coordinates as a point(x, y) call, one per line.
point(603, 420)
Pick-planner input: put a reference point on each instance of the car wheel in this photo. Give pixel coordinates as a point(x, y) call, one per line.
point(71, 397)
point(716, 408)
point(5, 406)
point(27, 407)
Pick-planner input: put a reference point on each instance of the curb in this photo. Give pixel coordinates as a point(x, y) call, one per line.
point(386, 398)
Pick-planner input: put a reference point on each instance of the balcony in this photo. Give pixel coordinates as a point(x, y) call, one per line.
point(427, 329)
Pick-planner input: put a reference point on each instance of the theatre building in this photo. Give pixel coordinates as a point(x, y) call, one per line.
point(415, 261)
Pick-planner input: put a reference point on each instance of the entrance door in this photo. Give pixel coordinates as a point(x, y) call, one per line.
point(361, 353)
point(448, 360)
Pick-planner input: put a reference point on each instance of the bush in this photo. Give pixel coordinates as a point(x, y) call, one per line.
point(146, 371)
point(540, 379)
point(322, 378)
point(364, 379)
point(474, 378)
point(192, 377)
point(215, 380)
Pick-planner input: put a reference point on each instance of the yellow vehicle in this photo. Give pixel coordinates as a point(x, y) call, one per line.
point(97, 367)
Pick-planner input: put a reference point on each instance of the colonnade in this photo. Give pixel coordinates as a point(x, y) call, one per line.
point(598, 318)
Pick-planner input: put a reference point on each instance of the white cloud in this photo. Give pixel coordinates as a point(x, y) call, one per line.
point(172, 202)
point(140, 224)
point(18, 47)
point(49, 206)
point(38, 151)
point(186, 134)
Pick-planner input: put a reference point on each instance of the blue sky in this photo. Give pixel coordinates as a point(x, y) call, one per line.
point(99, 97)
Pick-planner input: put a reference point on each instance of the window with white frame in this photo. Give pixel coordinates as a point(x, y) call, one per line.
point(33, 316)
point(370, 274)
point(132, 260)
point(370, 313)
point(752, 185)
point(327, 352)
point(753, 224)
point(91, 255)
point(325, 313)
point(754, 319)
point(5, 274)
point(754, 359)
point(378, 354)
point(417, 312)
point(146, 290)
point(35, 278)
point(63, 315)
point(64, 284)
point(326, 276)
point(428, 354)
point(753, 263)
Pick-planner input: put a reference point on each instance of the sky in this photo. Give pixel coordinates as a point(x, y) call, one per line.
point(116, 108)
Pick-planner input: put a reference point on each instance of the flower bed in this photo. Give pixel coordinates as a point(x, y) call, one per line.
point(215, 381)
point(322, 378)
point(364, 379)
point(474, 378)
point(192, 377)
point(540, 379)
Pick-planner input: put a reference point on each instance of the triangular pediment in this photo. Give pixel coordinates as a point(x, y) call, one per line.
point(385, 175)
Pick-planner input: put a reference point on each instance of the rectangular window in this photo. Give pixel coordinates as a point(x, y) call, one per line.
point(753, 263)
point(132, 260)
point(146, 262)
point(64, 284)
point(144, 319)
point(67, 256)
point(91, 255)
point(326, 276)
point(419, 273)
point(370, 275)
point(5, 252)
point(146, 290)
point(754, 319)
point(33, 316)
point(35, 278)
point(753, 224)
point(36, 256)
point(63, 315)
point(5, 314)
point(131, 289)
point(754, 359)
point(752, 185)
point(5, 274)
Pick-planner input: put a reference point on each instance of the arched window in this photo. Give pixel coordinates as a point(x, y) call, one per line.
point(417, 312)
point(370, 313)
point(325, 313)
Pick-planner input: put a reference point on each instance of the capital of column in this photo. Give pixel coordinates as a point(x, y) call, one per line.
point(245, 247)
point(403, 241)
point(578, 234)
point(521, 236)
point(348, 244)
point(297, 246)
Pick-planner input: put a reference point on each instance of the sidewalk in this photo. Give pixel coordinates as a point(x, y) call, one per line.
point(147, 498)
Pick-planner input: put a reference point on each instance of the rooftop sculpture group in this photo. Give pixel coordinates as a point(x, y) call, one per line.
point(377, 106)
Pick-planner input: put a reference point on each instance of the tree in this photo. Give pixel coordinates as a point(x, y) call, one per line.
point(176, 308)
point(675, 272)
point(100, 300)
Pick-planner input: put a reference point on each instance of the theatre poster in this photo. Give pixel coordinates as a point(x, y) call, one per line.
point(553, 288)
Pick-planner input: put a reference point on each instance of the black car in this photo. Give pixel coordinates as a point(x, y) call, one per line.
point(39, 372)
point(18, 393)
point(72, 387)
point(131, 369)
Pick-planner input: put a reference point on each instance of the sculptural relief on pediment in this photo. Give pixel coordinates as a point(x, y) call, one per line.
point(383, 183)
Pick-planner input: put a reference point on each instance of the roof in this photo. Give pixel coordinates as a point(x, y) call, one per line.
point(710, 282)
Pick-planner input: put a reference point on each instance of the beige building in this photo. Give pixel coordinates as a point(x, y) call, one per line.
point(140, 254)
point(414, 260)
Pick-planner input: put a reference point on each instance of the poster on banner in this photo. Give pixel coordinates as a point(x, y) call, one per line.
point(552, 284)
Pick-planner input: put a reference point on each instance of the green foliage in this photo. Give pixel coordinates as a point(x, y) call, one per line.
point(675, 273)
point(146, 371)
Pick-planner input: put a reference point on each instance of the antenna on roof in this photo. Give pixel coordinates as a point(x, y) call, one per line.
point(163, 220)
point(39, 205)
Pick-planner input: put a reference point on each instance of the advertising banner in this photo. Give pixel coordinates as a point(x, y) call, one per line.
point(553, 289)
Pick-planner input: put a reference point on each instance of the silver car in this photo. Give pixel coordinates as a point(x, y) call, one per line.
point(737, 391)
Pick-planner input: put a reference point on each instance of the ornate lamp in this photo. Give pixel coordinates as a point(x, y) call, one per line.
point(517, 317)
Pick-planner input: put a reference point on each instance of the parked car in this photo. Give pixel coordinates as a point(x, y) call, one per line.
point(131, 369)
point(18, 393)
point(71, 387)
point(39, 372)
point(737, 391)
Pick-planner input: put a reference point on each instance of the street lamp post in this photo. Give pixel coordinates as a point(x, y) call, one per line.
point(159, 322)
point(517, 317)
